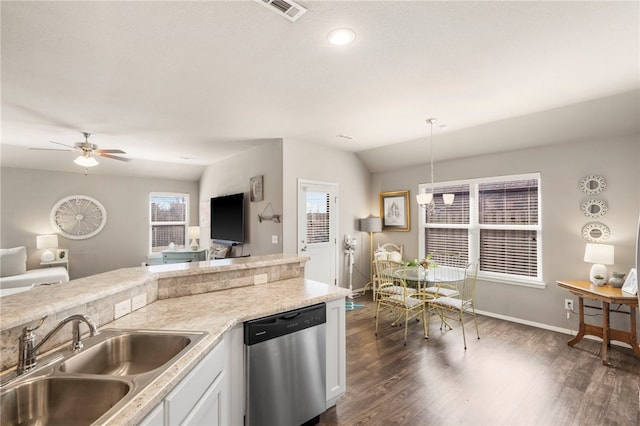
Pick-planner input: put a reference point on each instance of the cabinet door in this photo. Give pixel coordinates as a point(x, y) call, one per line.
point(336, 351)
point(211, 410)
point(183, 399)
point(155, 417)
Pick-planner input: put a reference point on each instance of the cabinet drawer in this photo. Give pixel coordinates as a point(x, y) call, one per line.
point(181, 400)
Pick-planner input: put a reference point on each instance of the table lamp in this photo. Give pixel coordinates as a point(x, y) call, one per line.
point(194, 235)
point(600, 255)
point(47, 242)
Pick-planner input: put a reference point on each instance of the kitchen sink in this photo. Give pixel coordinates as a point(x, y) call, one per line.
point(60, 401)
point(127, 353)
point(91, 385)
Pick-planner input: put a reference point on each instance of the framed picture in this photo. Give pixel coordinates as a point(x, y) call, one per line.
point(631, 283)
point(62, 254)
point(394, 211)
point(256, 189)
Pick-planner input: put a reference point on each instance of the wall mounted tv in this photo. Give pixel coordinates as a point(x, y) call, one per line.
point(227, 218)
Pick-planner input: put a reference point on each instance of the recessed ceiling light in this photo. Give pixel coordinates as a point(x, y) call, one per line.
point(341, 37)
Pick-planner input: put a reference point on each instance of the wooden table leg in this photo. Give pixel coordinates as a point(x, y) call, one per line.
point(581, 327)
point(634, 334)
point(606, 325)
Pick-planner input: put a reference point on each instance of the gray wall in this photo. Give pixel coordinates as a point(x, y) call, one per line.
point(561, 168)
point(28, 196)
point(313, 162)
point(231, 176)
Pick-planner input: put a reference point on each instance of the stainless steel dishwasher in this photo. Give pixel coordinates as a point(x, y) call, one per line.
point(285, 371)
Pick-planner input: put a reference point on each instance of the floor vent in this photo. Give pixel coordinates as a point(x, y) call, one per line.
point(287, 8)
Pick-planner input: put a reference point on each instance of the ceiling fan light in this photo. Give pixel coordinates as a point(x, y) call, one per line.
point(448, 198)
point(424, 199)
point(86, 161)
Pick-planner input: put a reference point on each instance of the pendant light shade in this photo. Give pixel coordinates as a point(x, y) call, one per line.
point(86, 161)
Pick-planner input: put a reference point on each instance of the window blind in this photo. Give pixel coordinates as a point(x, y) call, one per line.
point(318, 210)
point(168, 220)
point(509, 251)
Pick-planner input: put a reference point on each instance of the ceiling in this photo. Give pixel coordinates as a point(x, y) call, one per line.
point(179, 85)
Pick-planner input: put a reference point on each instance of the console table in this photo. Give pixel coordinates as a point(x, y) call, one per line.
point(180, 256)
point(607, 295)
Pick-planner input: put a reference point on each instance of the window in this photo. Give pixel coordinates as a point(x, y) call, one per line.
point(494, 220)
point(168, 221)
point(318, 208)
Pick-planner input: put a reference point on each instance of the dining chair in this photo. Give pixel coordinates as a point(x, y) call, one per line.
point(455, 307)
point(385, 278)
point(401, 300)
point(446, 272)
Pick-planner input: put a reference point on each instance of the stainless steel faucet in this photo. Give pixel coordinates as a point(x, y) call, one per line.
point(27, 342)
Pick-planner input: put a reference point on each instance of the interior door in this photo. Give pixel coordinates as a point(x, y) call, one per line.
point(317, 229)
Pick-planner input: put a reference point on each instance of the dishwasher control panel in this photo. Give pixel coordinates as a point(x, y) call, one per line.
point(262, 329)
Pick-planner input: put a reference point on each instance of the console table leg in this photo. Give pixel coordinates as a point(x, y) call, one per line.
point(605, 332)
point(581, 327)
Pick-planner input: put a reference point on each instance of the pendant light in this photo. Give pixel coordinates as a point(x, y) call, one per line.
point(426, 198)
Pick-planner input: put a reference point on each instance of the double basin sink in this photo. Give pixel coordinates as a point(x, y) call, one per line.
point(92, 385)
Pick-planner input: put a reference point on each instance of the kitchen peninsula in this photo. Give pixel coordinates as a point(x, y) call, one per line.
point(216, 297)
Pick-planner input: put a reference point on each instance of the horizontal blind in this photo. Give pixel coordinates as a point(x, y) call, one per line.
point(509, 202)
point(168, 220)
point(318, 210)
point(447, 240)
point(457, 213)
point(509, 251)
point(512, 252)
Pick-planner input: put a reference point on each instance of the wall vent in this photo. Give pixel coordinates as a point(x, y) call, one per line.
point(287, 8)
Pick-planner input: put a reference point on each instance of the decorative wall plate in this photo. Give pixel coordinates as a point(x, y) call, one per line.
point(78, 217)
point(256, 188)
point(593, 184)
point(595, 232)
point(594, 208)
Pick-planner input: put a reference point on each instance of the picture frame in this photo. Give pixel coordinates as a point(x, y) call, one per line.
point(631, 283)
point(394, 211)
point(62, 254)
point(256, 188)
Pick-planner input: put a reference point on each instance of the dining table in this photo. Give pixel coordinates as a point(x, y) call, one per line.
point(429, 276)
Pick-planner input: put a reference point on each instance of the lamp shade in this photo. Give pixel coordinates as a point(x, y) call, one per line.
point(87, 161)
point(599, 253)
point(46, 241)
point(424, 199)
point(371, 224)
point(194, 232)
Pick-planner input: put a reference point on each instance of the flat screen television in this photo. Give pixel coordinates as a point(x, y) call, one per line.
point(227, 218)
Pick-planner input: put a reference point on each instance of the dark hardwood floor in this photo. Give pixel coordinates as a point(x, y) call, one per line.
point(514, 375)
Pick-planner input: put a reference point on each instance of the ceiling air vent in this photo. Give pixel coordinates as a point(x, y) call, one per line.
point(287, 8)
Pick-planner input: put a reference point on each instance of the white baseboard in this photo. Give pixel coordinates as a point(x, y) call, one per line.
point(546, 327)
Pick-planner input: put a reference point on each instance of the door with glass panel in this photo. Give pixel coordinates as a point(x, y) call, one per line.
point(317, 229)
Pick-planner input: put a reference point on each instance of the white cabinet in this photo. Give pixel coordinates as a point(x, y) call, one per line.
point(155, 417)
point(336, 351)
point(201, 395)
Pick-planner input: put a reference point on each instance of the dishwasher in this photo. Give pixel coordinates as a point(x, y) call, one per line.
point(285, 368)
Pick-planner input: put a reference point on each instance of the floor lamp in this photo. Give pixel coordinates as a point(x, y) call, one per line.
point(370, 224)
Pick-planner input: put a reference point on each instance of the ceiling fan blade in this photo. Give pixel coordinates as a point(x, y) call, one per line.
point(114, 157)
point(68, 146)
point(109, 151)
point(49, 149)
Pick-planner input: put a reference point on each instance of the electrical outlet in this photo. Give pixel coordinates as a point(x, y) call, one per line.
point(121, 309)
point(260, 279)
point(568, 304)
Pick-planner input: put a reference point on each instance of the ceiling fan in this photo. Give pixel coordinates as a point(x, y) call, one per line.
point(88, 150)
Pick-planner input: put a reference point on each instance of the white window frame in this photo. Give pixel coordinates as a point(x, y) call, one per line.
point(474, 227)
point(153, 254)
